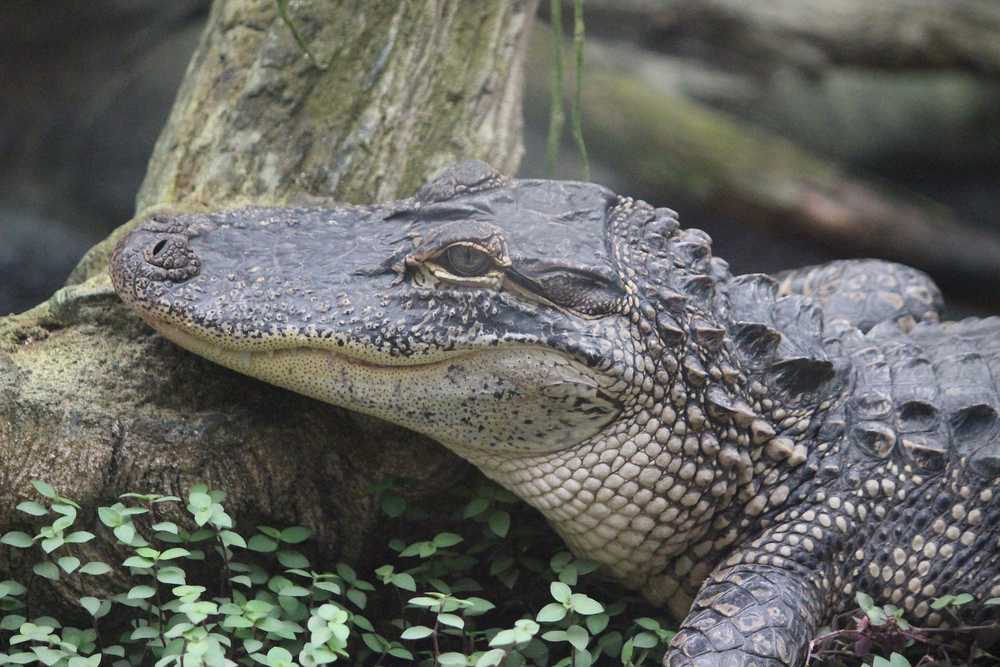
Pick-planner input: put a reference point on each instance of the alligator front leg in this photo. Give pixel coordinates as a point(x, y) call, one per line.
point(749, 616)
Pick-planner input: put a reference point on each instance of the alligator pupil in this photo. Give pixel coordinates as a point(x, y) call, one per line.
point(464, 260)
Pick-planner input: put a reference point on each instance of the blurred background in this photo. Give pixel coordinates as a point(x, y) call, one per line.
point(794, 132)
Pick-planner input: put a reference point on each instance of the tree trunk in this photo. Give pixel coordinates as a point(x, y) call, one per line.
point(95, 403)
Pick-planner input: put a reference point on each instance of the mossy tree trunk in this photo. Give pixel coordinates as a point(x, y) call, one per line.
point(95, 403)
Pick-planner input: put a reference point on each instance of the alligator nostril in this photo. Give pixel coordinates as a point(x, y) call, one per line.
point(171, 257)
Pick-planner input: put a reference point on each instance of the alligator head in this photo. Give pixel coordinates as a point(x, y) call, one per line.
point(564, 339)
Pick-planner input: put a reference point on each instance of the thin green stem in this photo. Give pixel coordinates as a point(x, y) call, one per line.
point(557, 117)
point(576, 108)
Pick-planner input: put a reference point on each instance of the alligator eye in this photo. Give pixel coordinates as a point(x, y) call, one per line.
point(467, 261)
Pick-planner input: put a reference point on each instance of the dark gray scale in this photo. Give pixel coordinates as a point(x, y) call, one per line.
point(867, 292)
point(940, 386)
point(781, 339)
point(870, 408)
point(922, 432)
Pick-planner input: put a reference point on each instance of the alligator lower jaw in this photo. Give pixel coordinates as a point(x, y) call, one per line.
point(511, 401)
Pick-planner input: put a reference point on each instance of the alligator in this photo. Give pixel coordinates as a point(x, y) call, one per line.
point(748, 451)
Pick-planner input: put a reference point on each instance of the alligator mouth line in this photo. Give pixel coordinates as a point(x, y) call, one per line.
point(244, 357)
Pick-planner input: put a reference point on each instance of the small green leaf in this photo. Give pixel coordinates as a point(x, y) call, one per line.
point(896, 660)
point(374, 642)
point(138, 561)
point(166, 527)
point(569, 575)
point(11, 622)
point(560, 591)
point(451, 620)
point(478, 606)
point(46, 569)
point(551, 613)
point(43, 488)
point(416, 632)
point(445, 540)
point(69, 564)
point(499, 523)
point(295, 535)
point(404, 581)
point(95, 567)
point(346, 572)
point(645, 640)
point(262, 544)
point(231, 539)
point(110, 516)
point(11, 588)
point(294, 591)
point(578, 637)
point(329, 586)
point(584, 604)
point(171, 575)
point(49, 656)
point(50, 544)
point(16, 539)
point(79, 537)
point(175, 552)
point(452, 659)
point(475, 508)
point(125, 533)
point(362, 622)
point(401, 653)
point(597, 623)
point(91, 604)
point(357, 597)
point(33, 508)
point(144, 632)
point(647, 624)
point(292, 559)
point(491, 658)
point(141, 592)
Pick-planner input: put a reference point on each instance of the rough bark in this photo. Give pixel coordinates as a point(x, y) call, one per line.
point(887, 34)
point(670, 144)
point(95, 403)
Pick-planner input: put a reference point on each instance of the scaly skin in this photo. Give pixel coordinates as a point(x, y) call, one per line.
point(713, 441)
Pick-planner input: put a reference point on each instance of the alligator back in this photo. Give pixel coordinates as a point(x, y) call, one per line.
point(929, 399)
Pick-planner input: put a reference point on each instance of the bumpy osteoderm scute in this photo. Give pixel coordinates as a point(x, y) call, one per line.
point(789, 442)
